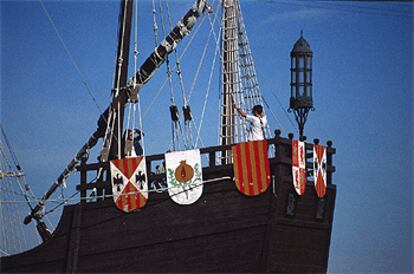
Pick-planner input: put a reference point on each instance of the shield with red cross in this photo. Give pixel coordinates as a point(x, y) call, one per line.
point(129, 183)
point(319, 169)
point(299, 166)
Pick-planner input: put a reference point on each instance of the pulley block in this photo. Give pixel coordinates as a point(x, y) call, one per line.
point(175, 116)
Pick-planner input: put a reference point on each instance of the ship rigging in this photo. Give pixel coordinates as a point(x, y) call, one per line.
point(239, 86)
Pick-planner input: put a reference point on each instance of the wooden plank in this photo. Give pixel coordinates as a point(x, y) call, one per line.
point(74, 243)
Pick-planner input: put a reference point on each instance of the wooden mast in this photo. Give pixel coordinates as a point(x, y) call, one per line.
point(120, 97)
point(229, 69)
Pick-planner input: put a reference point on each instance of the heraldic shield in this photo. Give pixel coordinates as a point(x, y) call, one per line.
point(251, 167)
point(298, 166)
point(319, 169)
point(129, 183)
point(184, 176)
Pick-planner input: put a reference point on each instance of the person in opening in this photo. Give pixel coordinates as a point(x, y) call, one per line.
point(161, 184)
point(258, 122)
point(133, 146)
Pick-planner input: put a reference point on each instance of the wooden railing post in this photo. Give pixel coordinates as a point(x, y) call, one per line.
point(211, 159)
point(83, 182)
point(329, 162)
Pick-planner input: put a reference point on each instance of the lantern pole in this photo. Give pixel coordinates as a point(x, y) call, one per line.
point(301, 101)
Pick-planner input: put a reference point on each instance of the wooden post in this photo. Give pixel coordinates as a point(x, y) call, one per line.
point(83, 181)
point(212, 158)
point(74, 241)
point(329, 162)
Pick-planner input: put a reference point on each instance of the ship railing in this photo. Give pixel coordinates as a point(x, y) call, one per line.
point(98, 189)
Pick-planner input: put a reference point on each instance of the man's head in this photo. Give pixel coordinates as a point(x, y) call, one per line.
point(130, 134)
point(257, 110)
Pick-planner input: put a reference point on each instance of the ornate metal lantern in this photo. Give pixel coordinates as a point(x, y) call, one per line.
point(301, 82)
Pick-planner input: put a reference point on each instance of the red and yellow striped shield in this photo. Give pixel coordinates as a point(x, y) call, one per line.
point(129, 183)
point(251, 167)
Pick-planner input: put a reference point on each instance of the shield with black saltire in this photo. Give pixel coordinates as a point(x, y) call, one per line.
point(184, 176)
point(129, 183)
point(251, 167)
point(299, 166)
point(319, 169)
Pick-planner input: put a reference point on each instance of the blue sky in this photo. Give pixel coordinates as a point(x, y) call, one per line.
point(363, 95)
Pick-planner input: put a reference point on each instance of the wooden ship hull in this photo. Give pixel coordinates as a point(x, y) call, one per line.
point(224, 231)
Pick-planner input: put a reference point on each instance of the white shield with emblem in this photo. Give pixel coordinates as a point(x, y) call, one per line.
point(184, 176)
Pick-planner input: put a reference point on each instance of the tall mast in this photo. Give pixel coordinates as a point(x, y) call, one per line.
point(120, 97)
point(239, 79)
point(229, 77)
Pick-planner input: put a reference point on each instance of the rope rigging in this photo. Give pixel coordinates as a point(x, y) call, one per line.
point(10, 215)
point(198, 138)
point(240, 85)
point(245, 79)
point(186, 133)
point(203, 55)
point(240, 67)
point(133, 136)
point(217, 50)
point(157, 94)
point(25, 189)
point(13, 189)
point(176, 128)
point(250, 76)
point(181, 136)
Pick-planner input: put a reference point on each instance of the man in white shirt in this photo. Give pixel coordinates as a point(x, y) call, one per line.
point(258, 122)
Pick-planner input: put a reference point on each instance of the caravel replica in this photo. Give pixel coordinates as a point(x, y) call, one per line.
point(258, 206)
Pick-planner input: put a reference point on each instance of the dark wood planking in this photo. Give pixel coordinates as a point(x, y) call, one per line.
point(222, 232)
